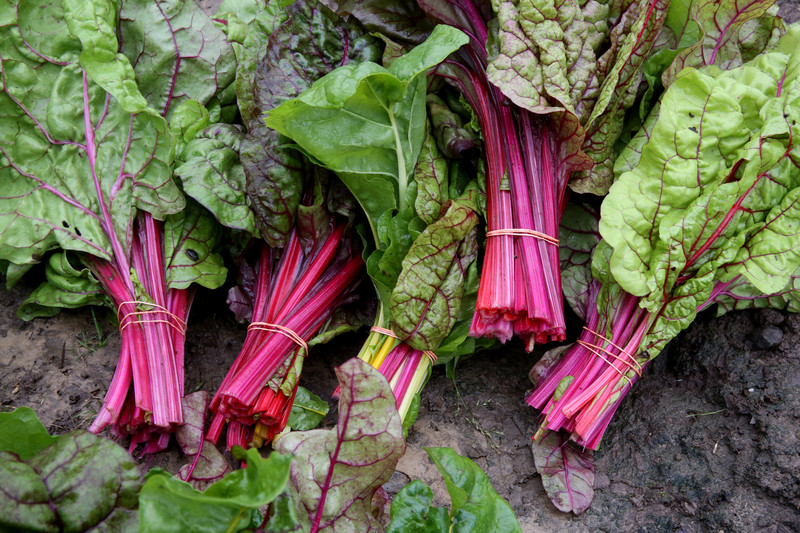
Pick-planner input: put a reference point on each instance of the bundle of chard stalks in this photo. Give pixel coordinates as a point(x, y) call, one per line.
point(479, 162)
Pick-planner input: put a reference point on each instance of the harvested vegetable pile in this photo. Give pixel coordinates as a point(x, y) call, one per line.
point(444, 175)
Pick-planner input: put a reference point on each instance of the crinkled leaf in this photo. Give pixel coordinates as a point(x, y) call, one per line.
point(543, 53)
point(43, 147)
point(212, 174)
point(397, 20)
point(274, 66)
point(308, 410)
point(186, 122)
point(23, 434)
point(578, 236)
point(168, 504)
point(580, 61)
point(740, 294)
point(453, 137)
point(190, 238)
point(567, 472)
point(703, 129)
point(412, 511)
point(367, 123)
point(176, 51)
point(733, 31)
point(336, 472)
point(633, 38)
point(430, 175)
point(476, 506)
point(426, 301)
point(67, 287)
point(81, 482)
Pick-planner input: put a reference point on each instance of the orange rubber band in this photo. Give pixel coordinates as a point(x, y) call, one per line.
point(126, 320)
point(521, 232)
point(390, 333)
point(632, 362)
point(283, 330)
point(595, 350)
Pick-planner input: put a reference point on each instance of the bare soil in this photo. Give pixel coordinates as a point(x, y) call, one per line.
point(708, 440)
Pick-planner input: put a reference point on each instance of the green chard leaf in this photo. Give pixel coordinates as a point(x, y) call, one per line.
point(367, 123)
point(430, 175)
point(212, 174)
point(67, 287)
point(426, 301)
point(23, 434)
point(336, 472)
point(546, 57)
point(79, 482)
point(308, 410)
point(710, 211)
point(413, 511)
point(168, 504)
point(476, 506)
point(190, 239)
point(175, 44)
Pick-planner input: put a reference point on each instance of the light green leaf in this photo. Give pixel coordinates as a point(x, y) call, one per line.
point(212, 174)
point(176, 51)
point(308, 410)
point(167, 504)
point(367, 123)
point(190, 238)
point(94, 22)
point(67, 287)
point(22, 433)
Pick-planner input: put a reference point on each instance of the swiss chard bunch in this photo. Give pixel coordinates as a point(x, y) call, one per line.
point(93, 113)
point(290, 299)
point(295, 284)
point(708, 213)
point(550, 83)
point(368, 122)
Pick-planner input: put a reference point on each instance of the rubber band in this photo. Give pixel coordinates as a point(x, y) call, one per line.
point(638, 367)
point(594, 349)
point(389, 333)
point(126, 320)
point(521, 232)
point(283, 330)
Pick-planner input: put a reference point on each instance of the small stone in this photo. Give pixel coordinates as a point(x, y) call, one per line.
point(601, 481)
point(767, 337)
point(396, 482)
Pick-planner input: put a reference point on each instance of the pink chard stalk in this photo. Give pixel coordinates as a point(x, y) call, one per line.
point(291, 299)
point(537, 135)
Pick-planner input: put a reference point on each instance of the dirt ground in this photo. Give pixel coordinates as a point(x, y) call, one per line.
point(708, 440)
